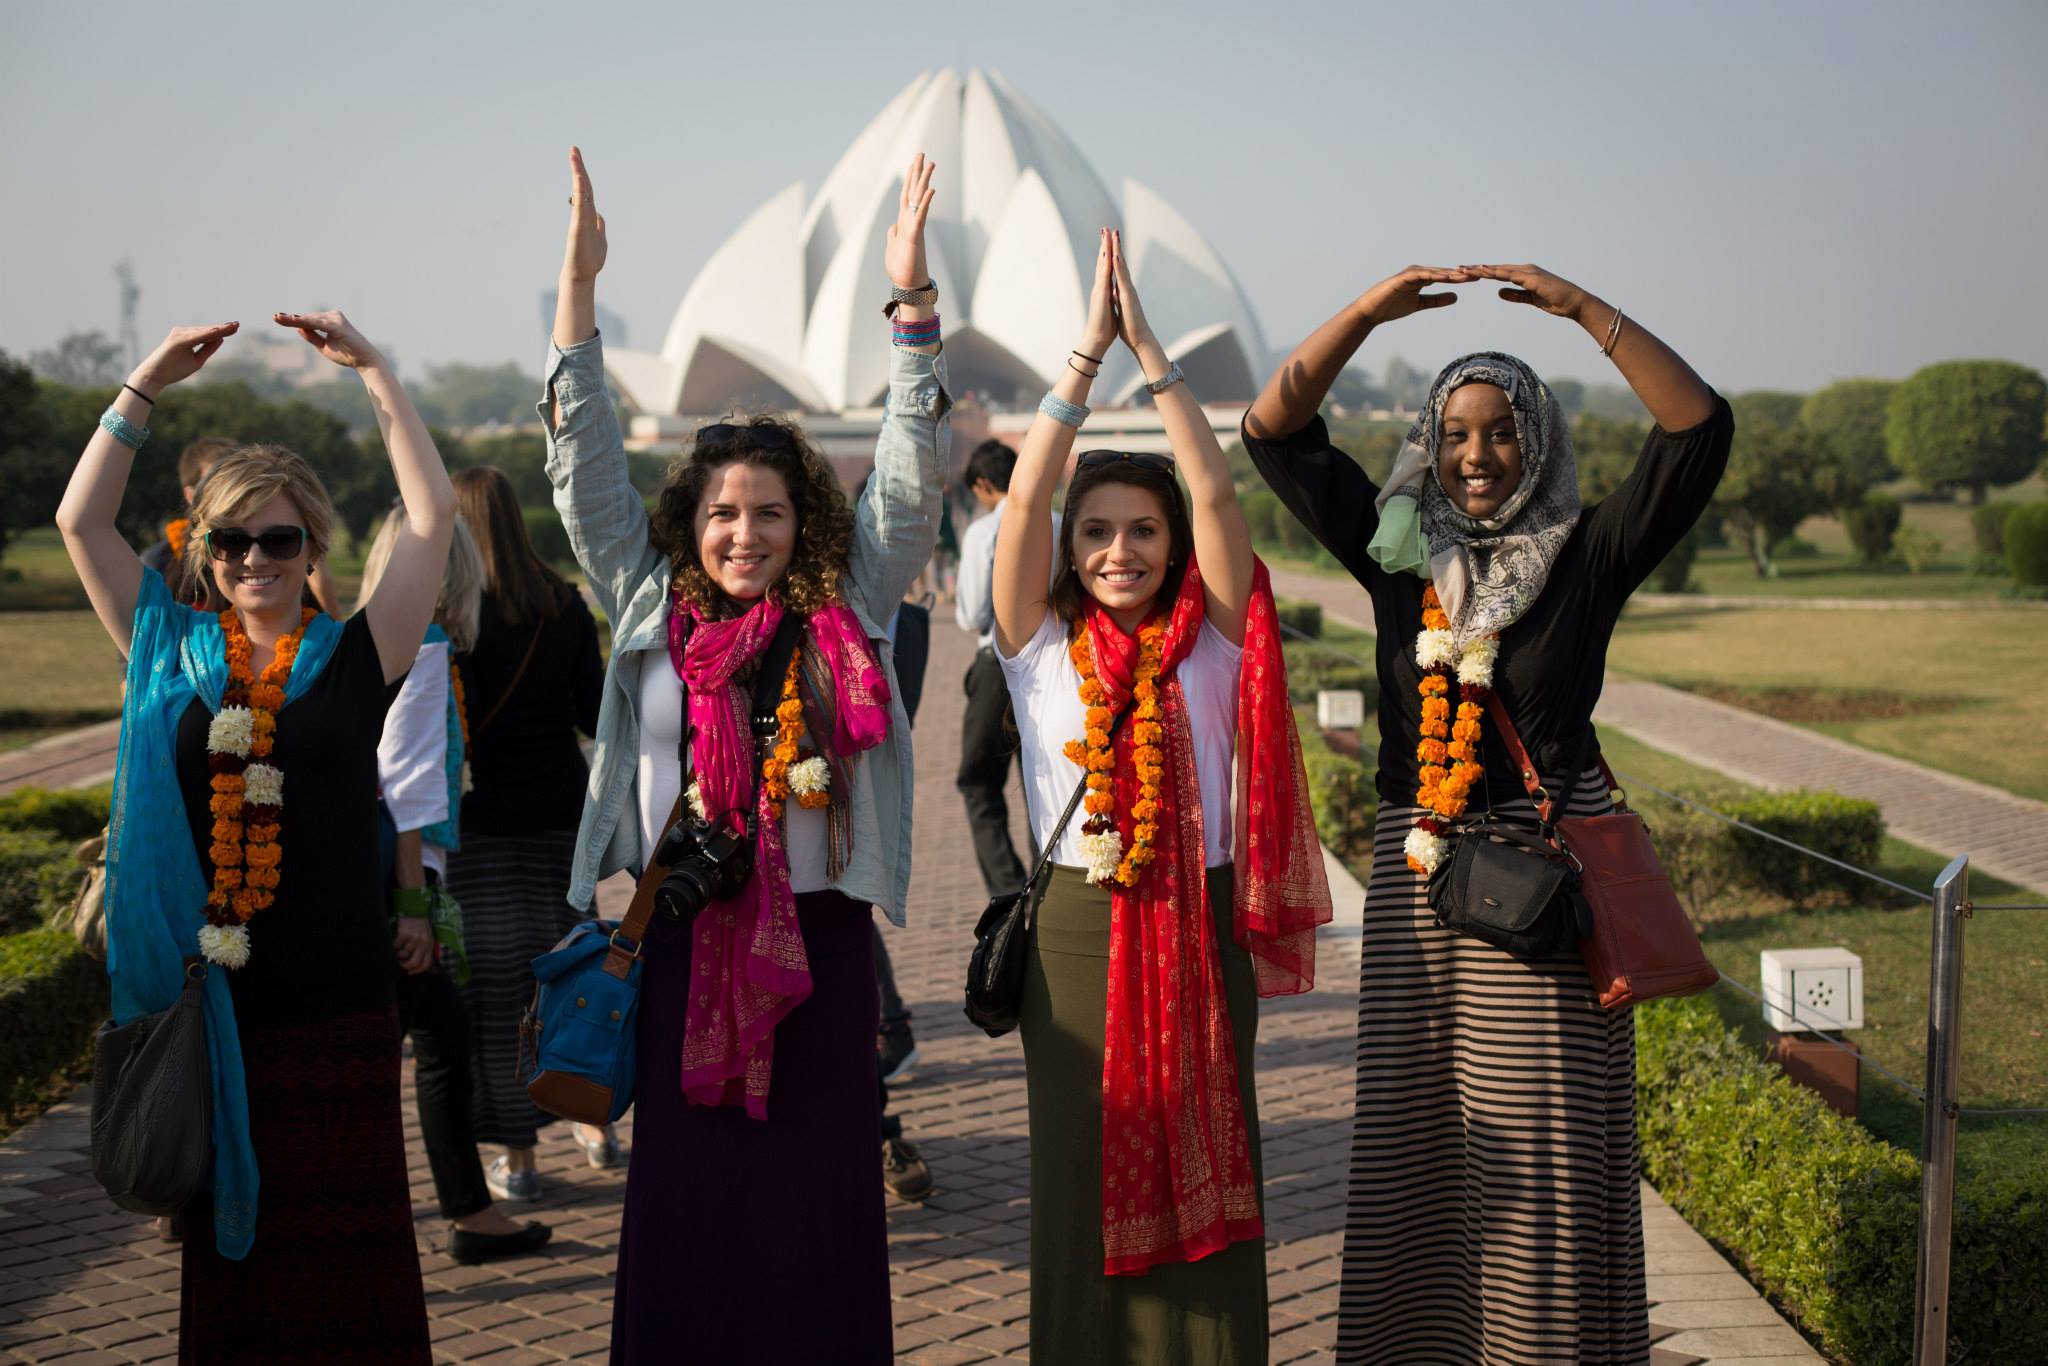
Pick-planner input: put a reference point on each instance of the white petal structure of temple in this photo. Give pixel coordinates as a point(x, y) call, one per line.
point(786, 313)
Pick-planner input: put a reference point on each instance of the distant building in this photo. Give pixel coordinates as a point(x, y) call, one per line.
point(786, 314)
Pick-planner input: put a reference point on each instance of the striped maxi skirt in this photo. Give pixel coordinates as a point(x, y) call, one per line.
point(1494, 1212)
point(514, 892)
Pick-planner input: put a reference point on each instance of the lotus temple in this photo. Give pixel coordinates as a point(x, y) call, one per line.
point(785, 314)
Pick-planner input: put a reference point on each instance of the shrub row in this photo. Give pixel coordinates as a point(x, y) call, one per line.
point(1345, 804)
point(52, 997)
point(1823, 1214)
point(1705, 856)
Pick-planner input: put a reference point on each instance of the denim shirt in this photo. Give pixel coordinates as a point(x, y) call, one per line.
point(895, 527)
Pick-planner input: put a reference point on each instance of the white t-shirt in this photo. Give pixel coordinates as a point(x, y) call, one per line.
point(412, 753)
point(1045, 690)
point(804, 832)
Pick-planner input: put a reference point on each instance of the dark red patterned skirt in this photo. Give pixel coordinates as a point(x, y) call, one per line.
point(334, 1276)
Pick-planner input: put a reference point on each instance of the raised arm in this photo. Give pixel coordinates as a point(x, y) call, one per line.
point(586, 461)
point(404, 601)
point(1223, 544)
point(107, 565)
point(1303, 380)
point(1024, 542)
point(1677, 397)
point(896, 522)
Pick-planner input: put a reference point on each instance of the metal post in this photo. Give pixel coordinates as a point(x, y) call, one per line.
point(1938, 1122)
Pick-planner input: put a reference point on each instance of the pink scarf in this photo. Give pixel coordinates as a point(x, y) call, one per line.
point(748, 956)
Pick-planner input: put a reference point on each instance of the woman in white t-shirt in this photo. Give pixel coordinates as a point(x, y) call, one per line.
point(1150, 671)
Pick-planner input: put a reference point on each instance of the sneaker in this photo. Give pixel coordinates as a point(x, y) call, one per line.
point(903, 1171)
point(507, 1184)
point(899, 1055)
point(603, 1152)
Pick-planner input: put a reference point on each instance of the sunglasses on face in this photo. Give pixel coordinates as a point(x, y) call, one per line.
point(230, 544)
point(1095, 460)
point(767, 436)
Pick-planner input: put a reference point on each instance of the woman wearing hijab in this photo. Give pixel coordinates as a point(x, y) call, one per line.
point(1493, 1212)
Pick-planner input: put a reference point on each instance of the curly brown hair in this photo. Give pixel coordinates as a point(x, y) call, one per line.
point(824, 517)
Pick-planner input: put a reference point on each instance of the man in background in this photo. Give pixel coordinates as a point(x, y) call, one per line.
point(987, 730)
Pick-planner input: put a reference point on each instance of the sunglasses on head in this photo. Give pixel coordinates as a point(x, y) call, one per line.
point(230, 544)
point(767, 436)
point(1095, 460)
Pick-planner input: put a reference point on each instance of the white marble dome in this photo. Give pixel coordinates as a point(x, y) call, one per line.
point(787, 312)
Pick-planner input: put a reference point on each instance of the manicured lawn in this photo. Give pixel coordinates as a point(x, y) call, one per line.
point(1958, 691)
point(2004, 1032)
point(61, 672)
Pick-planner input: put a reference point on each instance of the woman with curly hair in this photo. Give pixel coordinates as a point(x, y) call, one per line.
point(753, 1225)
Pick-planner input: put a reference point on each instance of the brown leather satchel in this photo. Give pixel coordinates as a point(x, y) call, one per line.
point(1642, 945)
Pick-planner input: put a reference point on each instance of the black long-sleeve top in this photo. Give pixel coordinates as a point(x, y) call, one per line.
point(1553, 660)
point(527, 766)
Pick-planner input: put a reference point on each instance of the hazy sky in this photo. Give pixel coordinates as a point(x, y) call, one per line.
point(1787, 192)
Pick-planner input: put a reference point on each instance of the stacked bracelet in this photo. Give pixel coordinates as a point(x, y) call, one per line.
point(921, 332)
point(1065, 413)
point(122, 430)
point(1613, 335)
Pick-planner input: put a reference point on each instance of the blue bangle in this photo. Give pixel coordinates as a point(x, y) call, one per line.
point(1059, 410)
point(122, 430)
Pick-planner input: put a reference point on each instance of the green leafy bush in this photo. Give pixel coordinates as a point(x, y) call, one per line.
point(1695, 852)
point(52, 997)
point(1311, 671)
point(1795, 548)
point(1306, 618)
point(1262, 514)
point(1987, 525)
point(1918, 547)
point(1341, 789)
point(1821, 1213)
point(1845, 828)
point(71, 814)
point(37, 876)
point(550, 540)
point(1673, 573)
point(1871, 525)
point(2026, 543)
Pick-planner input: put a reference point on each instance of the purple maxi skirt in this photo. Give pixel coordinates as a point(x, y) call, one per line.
point(751, 1241)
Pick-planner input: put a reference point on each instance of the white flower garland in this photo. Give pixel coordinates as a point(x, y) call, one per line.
point(227, 945)
point(1102, 853)
point(232, 731)
point(810, 776)
point(262, 785)
point(696, 799)
point(1435, 648)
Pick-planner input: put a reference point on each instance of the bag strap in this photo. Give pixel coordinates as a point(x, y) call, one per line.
point(775, 659)
point(618, 960)
point(1532, 781)
point(506, 696)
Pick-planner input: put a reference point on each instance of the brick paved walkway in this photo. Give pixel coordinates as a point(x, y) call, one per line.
point(2004, 834)
point(82, 1282)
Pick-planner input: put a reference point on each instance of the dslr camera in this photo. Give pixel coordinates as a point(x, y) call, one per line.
point(706, 862)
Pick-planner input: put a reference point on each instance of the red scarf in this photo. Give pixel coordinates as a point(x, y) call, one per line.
point(1177, 1178)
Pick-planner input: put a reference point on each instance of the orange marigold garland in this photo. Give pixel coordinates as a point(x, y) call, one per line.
point(462, 719)
point(789, 767)
point(248, 792)
point(1448, 748)
point(175, 533)
point(1101, 842)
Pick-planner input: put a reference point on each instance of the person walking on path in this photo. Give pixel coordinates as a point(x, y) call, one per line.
point(421, 768)
point(754, 1228)
point(988, 730)
point(531, 681)
point(1494, 1211)
point(1149, 668)
point(303, 1243)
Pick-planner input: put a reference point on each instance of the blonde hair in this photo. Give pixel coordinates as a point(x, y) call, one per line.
point(462, 582)
point(244, 480)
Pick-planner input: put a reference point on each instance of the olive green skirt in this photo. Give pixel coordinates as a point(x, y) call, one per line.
point(1209, 1311)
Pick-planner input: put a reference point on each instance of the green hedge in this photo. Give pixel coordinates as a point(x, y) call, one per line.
point(1847, 828)
point(73, 814)
point(37, 878)
point(1345, 800)
point(52, 997)
point(1872, 524)
point(1987, 525)
point(1823, 1214)
point(1304, 617)
point(2026, 543)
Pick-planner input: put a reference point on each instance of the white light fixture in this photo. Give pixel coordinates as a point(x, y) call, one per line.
point(1812, 989)
point(1342, 709)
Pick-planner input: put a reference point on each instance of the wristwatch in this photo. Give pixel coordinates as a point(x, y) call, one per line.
point(924, 296)
point(1172, 377)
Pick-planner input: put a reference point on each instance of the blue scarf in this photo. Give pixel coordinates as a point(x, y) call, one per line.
point(156, 889)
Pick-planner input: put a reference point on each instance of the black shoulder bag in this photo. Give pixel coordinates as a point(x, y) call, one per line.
point(1002, 937)
point(152, 1104)
point(1512, 884)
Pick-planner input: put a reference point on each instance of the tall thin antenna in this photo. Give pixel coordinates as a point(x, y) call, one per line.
point(131, 293)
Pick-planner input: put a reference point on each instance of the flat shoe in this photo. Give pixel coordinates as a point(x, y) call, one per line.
point(471, 1248)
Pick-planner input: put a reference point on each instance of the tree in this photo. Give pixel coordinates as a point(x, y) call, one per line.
point(1766, 408)
point(1605, 450)
point(1355, 390)
point(1406, 386)
point(1967, 423)
point(462, 396)
point(33, 468)
point(82, 358)
point(1846, 424)
point(1770, 488)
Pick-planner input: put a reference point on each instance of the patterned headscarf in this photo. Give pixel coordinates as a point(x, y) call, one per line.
point(1487, 570)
